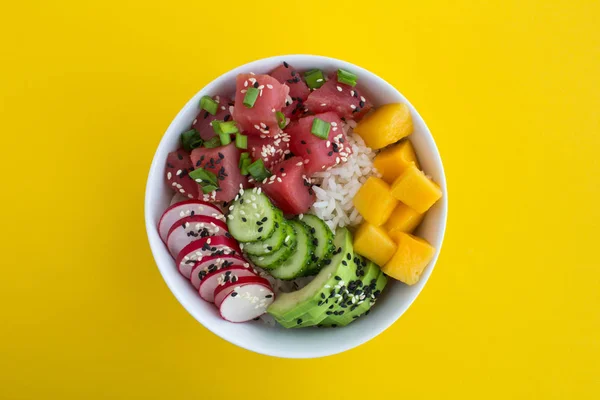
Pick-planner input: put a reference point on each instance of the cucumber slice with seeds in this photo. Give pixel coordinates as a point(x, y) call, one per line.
point(299, 261)
point(323, 240)
point(252, 217)
point(274, 260)
point(270, 245)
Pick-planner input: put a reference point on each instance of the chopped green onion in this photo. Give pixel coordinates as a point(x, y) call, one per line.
point(225, 138)
point(244, 163)
point(258, 171)
point(314, 78)
point(346, 77)
point(191, 139)
point(204, 177)
point(209, 189)
point(241, 141)
point(281, 121)
point(320, 128)
point(251, 96)
point(216, 125)
point(243, 156)
point(208, 104)
point(212, 143)
point(228, 127)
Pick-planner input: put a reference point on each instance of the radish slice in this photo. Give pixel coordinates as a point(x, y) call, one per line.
point(244, 300)
point(189, 229)
point(211, 264)
point(209, 246)
point(185, 209)
point(224, 275)
point(223, 290)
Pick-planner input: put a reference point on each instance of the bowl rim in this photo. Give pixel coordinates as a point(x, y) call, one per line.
point(277, 351)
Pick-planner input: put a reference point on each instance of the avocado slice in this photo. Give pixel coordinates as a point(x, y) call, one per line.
point(345, 312)
point(311, 301)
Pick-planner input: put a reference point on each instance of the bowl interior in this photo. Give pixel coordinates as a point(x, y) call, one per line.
point(255, 336)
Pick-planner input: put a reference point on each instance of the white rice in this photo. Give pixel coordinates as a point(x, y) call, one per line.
point(336, 187)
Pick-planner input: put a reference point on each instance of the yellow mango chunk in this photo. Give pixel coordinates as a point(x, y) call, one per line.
point(411, 258)
point(403, 220)
point(386, 125)
point(374, 201)
point(373, 243)
point(416, 190)
point(394, 160)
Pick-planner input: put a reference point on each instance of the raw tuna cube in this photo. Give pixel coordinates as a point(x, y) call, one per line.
point(179, 165)
point(224, 163)
point(343, 99)
point(288, 187)
point(272, 149)
point(202, 122)
point(260, 118)
point(320, 153)
point(299, 91)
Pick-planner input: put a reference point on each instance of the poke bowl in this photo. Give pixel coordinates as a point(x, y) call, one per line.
point(296, 206)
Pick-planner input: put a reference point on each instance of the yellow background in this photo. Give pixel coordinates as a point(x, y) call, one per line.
point(511, 91)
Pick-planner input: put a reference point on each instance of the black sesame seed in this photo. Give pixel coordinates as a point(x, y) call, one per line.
point(286, 64)
point(330, 153)
point(256, 85)
point(268, 296)
point(226, 118)
point(244, 219)
point(299, 321)
point(170, 165)
point(361, 104)
point(234, 294)
point(303, 142)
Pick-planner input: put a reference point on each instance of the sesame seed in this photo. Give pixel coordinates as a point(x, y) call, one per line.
point(243, 91)
point(339, 88)
point(323, 104)
point(181, 190)
point(352, 106)
point(320, 80)
point(269, 86)
point(169, 175)
point(300, 216)
point(363, 99)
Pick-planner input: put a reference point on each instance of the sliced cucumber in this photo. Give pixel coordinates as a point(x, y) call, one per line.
point(274, 260)
point(314, 298)
point(252, 217)
point(270, 245)
point(300, 260)
point(323, 240)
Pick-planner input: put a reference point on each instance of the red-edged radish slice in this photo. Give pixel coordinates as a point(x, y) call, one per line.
point(222, 291)
point(220, 277)
point(244, 300)
point(213, 263)
point(185, 209)
point(209, 246)
point(189, 229)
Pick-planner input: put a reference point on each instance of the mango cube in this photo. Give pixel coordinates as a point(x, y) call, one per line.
point(411, 258)
point(373, 243)
point(374, 201)
point(386, 125)
point(416, 190)
point(403, 220)
point(394, 160)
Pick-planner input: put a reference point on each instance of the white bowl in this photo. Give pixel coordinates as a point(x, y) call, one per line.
point(275, 341)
